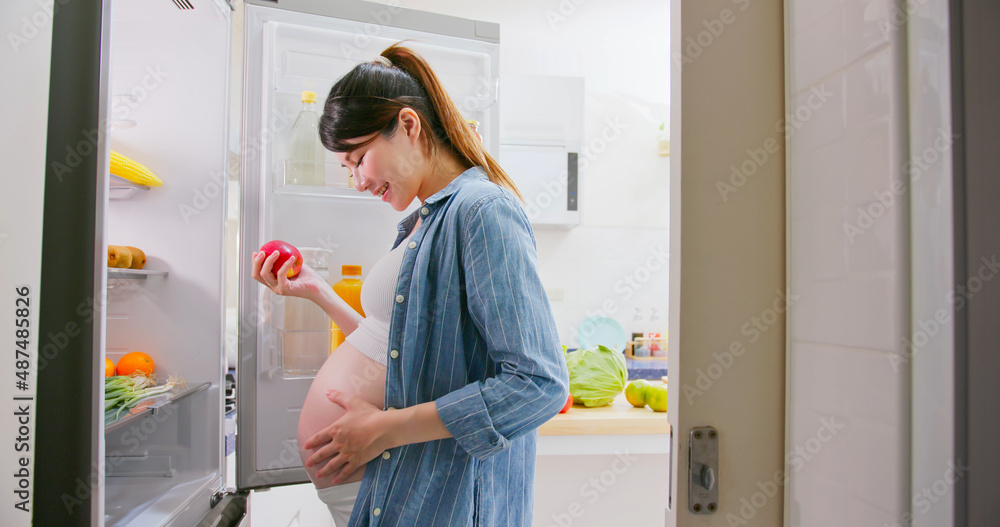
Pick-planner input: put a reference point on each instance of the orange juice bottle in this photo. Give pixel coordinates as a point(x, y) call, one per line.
point(348, 288)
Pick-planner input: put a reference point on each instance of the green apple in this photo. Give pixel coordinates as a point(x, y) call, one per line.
point(635, 393)
point(656, 397)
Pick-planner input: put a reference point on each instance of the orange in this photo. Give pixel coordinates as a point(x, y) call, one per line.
point(635, 392)
point(135, 362)
point(109, 368)
point(656, 397)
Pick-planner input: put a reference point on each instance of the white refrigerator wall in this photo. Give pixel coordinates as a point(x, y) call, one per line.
point(848, 411)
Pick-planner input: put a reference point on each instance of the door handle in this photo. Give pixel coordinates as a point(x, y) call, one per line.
point(703, 470)
point(707, 477)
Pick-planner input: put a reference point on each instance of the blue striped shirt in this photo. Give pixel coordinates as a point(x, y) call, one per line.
point(473, 331)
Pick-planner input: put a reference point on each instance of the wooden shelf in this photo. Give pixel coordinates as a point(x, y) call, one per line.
point(617, 418)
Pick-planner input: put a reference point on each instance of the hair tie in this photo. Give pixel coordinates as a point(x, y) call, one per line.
point(382, 60)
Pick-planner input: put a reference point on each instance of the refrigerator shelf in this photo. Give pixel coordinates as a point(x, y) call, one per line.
point(326, 192)
point(121, 188)
point(150, 407)
point(134, 274)
point(338, 184)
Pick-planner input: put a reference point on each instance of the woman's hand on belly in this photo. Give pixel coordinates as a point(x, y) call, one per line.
point(346, 370)
point(350, 442)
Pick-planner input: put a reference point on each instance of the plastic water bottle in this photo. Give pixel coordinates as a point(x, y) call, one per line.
point(306, 155)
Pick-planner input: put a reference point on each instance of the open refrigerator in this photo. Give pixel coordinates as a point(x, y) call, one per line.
point(167, 94)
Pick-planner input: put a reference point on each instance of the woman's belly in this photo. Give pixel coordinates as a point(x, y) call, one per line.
point(346, 370)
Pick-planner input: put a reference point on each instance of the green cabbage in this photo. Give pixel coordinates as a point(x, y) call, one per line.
point(596, 375)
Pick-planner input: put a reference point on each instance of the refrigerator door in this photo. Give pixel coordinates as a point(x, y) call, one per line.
point(290, 47)
point(168, 89)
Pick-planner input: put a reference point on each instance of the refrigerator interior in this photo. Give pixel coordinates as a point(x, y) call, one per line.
point(168, 89)
point(286, 52)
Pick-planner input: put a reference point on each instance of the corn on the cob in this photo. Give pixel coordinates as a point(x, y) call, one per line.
point(126, 168)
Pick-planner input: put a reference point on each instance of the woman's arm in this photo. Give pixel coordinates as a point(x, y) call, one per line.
point(308, 285)
point(507, 303)
point(346, 318)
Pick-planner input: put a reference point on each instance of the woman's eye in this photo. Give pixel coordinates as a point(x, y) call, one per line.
point(360, 159)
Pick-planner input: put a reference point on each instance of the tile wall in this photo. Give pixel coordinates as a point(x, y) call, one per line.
point(848, 395)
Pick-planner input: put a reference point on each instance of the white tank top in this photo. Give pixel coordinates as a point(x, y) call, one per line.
point(377, 294)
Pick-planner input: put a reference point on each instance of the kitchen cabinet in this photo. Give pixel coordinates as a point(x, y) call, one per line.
point(541, 136)
point(603, 466)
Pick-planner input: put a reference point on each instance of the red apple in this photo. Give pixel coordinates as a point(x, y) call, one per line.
point(285, 251)
point(568, 405)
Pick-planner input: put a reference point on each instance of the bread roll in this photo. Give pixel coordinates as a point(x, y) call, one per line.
point(138, 257)
point(119, 257)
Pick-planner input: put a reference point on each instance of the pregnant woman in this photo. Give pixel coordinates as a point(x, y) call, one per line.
point(357, 367)
point(434, 400)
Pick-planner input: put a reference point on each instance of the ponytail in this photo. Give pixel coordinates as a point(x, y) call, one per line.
point(459, 134)
point(368, 99)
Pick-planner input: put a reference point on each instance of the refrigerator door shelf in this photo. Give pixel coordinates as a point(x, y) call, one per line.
point(149, 407)
point(153, 466)
point(302, 353)
point(121, 188)
point(134, 274)
point(314, 57)
point(124, 282)
point(338, 183)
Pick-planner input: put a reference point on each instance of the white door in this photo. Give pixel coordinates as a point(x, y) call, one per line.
point(728, 296)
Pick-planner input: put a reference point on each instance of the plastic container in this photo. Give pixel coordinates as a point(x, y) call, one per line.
point(348, 288)
point(306, 155)
point(304, 328)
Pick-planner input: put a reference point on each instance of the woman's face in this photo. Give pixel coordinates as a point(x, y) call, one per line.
point(392, 168)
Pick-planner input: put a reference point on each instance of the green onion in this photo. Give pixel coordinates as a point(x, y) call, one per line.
point(124, 392)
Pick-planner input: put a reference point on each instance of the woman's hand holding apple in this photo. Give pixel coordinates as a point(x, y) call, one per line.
point(307, 284)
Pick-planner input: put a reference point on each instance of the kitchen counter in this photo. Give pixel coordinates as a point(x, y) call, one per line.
point(605, 430)
point(617, 418)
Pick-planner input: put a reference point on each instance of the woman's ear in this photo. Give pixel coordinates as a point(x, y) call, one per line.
point(409, 123)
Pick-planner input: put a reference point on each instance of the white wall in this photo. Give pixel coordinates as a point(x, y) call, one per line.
point(847, 89)
point(621, 50)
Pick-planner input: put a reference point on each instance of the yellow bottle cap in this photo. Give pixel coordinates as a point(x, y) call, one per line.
point(351, 270)
point(308, 96)
point(472, 122)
